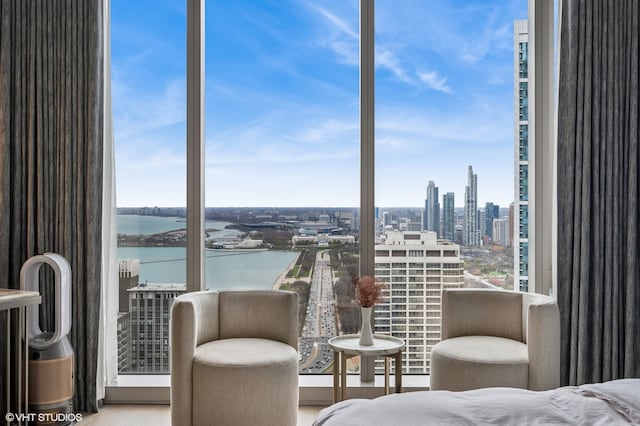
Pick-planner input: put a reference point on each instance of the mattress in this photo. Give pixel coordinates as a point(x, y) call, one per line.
point(612, 403)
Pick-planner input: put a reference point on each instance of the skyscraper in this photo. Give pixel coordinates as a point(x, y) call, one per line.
point(511, 226)
point(521, 137)
point(491, 212)
point(431, 217)
point(449, 216)
point(482, 223)
point(501, 231)
point(150, 305)
point(128, 272)
point(386, 219)
point(471, 235)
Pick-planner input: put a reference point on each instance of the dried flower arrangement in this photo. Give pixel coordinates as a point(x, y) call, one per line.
point(368, 290)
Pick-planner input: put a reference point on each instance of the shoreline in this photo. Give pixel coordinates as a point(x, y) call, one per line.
point(236, 250)
point(250, 268)
point(282, 277)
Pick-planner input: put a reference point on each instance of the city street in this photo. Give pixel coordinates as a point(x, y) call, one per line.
point(320, 323)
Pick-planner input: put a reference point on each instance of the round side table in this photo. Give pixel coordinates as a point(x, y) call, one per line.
point(348, 346)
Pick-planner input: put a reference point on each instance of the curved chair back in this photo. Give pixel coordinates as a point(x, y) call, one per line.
point(482, 312)
point(268, 314)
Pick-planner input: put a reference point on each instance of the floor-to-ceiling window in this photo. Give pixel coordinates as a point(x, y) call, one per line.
point(445, 73)
point(282, 158)
point(148, 49)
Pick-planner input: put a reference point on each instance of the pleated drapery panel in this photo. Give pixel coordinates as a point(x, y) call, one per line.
point(51, 142)
point(598, 190)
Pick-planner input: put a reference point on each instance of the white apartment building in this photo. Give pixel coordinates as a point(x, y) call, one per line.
point(501, 231)
point(416, 267)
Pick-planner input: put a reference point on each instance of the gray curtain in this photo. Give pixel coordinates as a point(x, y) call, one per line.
point(598, 190)
point(51, 139)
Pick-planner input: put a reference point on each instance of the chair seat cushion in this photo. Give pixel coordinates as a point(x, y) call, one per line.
point(473, 362)
point(252, 381)
point(244, 352)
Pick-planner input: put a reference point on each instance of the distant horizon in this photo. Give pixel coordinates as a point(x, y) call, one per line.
point(295, 207)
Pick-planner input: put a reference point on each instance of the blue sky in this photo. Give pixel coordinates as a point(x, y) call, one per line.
point(282, 101)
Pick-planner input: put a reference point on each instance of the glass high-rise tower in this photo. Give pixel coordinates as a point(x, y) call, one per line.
point(431, 217)
point(521, 136)
point(471, 235)
point(449, 216)
point(492, 212)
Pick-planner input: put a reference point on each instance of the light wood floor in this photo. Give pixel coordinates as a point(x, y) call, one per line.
point(160, 415)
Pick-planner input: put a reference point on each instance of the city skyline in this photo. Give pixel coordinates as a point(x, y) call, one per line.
point(271, 133)
point(440, 201)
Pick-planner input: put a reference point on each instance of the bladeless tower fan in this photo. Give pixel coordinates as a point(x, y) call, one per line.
point(51, 357)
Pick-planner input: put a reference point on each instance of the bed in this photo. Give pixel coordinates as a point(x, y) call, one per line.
point(611, 403)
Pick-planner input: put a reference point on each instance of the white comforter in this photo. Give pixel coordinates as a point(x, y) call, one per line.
point(612, 403)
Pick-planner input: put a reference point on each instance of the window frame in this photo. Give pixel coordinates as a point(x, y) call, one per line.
point(542, 170)
point(195, 145)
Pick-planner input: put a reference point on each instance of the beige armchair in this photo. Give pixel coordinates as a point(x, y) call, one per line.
point(234, 358)
point(496, 338)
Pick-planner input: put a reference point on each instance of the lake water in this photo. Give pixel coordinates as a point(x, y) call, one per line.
point(224, 269)
point(130, 224)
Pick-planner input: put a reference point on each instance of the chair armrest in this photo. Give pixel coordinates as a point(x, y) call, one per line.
point(194, 320)
point(543, 345)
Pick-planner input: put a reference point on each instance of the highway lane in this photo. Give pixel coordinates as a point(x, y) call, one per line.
point(320, 325)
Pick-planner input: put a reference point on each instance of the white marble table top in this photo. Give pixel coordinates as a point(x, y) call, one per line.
point(382, 345)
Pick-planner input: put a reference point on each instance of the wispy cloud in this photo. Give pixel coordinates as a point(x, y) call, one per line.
point(463, 33)
point(137, 111)
point(328, 130)
point(338, 23)
point(489, 36)
point(337, 34)
point(283, 141)
point(343, 40)
point(347, 51)
point(390, 143)
point(472, 126)
point(434, 81)
point(386, 59)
